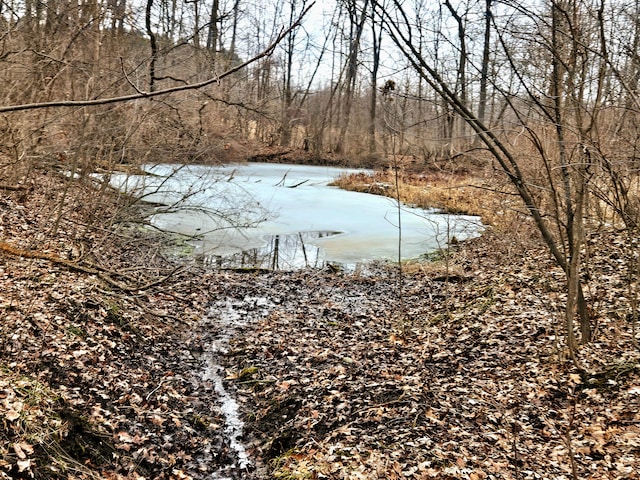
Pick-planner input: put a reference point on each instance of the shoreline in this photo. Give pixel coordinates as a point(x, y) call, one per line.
point(433, 374)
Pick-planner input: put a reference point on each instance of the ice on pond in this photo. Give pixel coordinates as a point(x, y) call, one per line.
point(287, 216)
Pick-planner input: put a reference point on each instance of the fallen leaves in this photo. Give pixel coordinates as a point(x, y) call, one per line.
point(12, 414)
point(23, 465)
point(97, 383)
point(338, 378)
point(465, 385)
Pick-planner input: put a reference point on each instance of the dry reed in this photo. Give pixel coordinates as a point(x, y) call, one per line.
point(455, 194)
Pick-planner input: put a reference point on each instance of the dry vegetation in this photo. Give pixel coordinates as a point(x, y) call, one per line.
point(478, 192)
point(100, 373)
point(459, 368)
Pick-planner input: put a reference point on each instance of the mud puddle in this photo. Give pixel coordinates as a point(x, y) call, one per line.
point(226, 318)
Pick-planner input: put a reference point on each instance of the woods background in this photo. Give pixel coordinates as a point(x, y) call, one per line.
point(339, 83)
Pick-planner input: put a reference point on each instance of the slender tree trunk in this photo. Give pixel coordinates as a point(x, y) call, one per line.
point(212, 37)
point(573, 184)
point(287, 93)
point(234, 33)
point(377, 41)
point(350, 77)
point(458, 124)
point(154, 46)
point(172, 21)
point(484, 69)
point(196, 23)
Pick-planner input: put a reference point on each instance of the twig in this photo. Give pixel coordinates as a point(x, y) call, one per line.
point(126, 77)
point(281, 182)
point(13, 188)
point(255, 382)
point(101, 272)
point(161, 280)
point(566, 439)
point(298, 184)
point(155, 389)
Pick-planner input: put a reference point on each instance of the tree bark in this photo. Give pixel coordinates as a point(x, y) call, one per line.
point(154, 46)
point(212, 37)
point(377, 42)
point(484, 69)
point(352, 70)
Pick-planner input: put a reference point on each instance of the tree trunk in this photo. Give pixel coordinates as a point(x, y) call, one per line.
point(352, 70)
point(377, 41)
point(287, 93)
point(212, 37)
point(458, 124)
point(154, 46)
point(484, 69)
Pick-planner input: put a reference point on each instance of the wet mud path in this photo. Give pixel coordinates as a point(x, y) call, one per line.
point(225, 319)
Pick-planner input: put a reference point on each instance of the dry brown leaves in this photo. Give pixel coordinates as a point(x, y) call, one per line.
point(339, 378)
point(462, 380)
point(96, 382)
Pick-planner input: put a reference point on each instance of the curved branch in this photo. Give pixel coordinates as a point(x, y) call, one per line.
point(136, 96)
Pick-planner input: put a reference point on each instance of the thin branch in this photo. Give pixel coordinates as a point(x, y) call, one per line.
point(101, 272)
point(126, 77)
point(125, 98)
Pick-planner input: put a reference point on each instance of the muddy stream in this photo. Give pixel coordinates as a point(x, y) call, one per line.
point(226, 318)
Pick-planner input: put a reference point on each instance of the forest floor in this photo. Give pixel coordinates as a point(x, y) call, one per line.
point(110, 355)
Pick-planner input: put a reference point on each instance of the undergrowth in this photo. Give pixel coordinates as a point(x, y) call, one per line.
point(39, 425)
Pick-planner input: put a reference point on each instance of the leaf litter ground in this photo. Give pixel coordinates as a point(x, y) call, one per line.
point(453, 381)
point(336, 375)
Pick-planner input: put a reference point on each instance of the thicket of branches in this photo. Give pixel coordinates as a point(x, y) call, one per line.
point(327, 87)
point(555, 104)
point(548, 91)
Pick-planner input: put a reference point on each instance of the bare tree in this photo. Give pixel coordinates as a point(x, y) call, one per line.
point(153, 43)
point(357, 18)
point(564, 246)
point(376, 39)
point(286, 122)
point(212, 37)
point(484, 70)
point(457, 126)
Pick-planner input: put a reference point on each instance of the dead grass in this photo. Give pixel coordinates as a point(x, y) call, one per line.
point(36, 428)
point(485, 197)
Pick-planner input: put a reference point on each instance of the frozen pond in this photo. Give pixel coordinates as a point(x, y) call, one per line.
point(287, 216)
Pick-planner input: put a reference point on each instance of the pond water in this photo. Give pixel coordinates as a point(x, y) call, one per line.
point(287, 216)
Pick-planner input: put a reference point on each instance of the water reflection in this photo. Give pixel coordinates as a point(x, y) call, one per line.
point(280, 252)
point(248, 216)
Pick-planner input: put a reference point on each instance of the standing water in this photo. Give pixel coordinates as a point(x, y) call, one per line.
point(287, 216)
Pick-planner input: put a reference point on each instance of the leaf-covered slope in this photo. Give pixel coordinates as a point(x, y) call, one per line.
point(458, 380)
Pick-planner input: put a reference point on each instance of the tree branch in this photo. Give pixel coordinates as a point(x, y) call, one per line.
point(126, 98)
